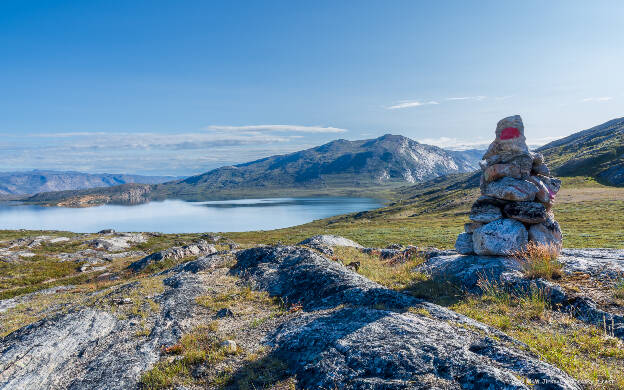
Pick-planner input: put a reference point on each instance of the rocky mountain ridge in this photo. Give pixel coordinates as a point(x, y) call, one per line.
point(36, 181)
point(387, 160)
point(596, 152)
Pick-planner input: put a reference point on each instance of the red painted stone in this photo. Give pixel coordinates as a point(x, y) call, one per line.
point(509, 133)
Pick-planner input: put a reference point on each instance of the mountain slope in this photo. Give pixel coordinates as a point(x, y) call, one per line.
point(387, 160)
point(33, 182)
point(596, 152)
point(346, 168)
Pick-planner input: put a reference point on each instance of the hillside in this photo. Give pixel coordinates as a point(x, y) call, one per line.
point(357, 168)
point(33, 182)
point(384, 161)
point(597, 152)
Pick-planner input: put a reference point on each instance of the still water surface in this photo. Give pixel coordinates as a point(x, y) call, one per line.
point(175, 216)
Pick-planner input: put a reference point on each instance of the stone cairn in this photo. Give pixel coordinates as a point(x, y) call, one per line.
point(517, 194)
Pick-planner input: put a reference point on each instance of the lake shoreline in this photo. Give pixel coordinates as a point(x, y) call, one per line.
point(177, 216)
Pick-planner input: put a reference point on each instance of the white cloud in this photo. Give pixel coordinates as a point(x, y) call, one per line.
point(478, 98)
point(146, 140)
point(293, 128)
point(409, 104)
point(148, 153)
point(416, 103)
point(597, 99)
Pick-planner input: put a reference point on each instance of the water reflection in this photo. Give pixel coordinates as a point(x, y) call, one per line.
point(174, 216)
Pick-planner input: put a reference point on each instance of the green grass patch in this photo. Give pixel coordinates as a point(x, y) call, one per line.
point(585, 352)
point(237, 295)
point(31, 271)
point(200, 346)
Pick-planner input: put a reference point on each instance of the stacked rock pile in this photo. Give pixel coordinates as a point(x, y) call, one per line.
point(517, 195)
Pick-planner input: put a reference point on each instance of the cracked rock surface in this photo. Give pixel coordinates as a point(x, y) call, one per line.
point(91, 348)
point(599, 265)
point(356, 334)
point(350, 333)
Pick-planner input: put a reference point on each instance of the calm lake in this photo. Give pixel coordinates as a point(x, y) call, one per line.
point(175, 216)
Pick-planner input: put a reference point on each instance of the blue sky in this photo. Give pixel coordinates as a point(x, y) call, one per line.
point(162, 87)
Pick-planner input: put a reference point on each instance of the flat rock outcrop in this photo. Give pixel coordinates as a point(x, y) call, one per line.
point(324, 243)
point(200, 248)
point(92, 348)
point(117, 241)
point(329, 240)
point(350, 333)
point(356, 334)
point(600, 265)
point(517, 195)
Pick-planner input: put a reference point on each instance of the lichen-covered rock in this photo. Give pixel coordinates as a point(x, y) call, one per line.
point(466, 271)
point(329, 240)
point(498, 171)
point(472, 226)
point(500, 238)
point(607, 264)
point(552, 183)
point(505, 272)
point(509, 188)
point(527, 212)
point(464, 244)
point(544, 194)
point(546, 233)
point(484, 212)
point(90, 348)
point(356, 334)
point(540, 169)
point(200, 248)
point(117, 241)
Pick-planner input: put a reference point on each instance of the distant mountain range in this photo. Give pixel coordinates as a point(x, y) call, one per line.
point(597, 152)
point(358, 168)
point(339, 167)
point(33, 182)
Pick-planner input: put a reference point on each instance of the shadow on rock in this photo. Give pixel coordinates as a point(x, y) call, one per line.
point(355, 334)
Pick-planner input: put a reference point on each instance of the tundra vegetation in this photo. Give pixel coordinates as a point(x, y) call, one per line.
point(591, 215)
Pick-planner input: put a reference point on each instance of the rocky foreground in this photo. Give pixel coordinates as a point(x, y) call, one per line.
point(299, 310)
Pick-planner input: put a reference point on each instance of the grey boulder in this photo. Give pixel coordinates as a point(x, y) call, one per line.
point(546, 233)
point(177, 252)
point(527, 212)
point(464, 244)
point(329, 240)
point(484, 212)
point(117, 241)
point(509, 188)
point(470, 227)
point(500, 238)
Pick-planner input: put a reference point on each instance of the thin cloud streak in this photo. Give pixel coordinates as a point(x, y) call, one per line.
point(477, 98)
point(416, 103)
point(282, 128)
point(597, 99)
point(409, 104)
point(146, 153)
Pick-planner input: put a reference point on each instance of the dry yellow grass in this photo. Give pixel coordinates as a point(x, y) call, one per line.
point(540, 261)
